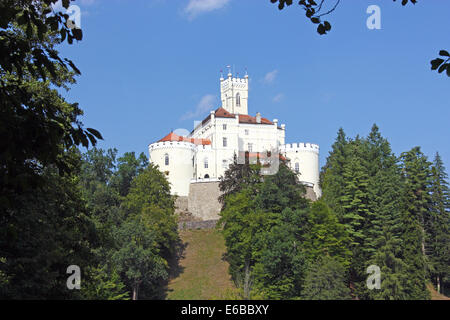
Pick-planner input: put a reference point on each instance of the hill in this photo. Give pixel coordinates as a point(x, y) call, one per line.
point(204, 274)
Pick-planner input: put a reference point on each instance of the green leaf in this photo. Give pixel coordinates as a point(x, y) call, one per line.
point(95, 133)
point(436, 63)
point(63, 34)
point(321, 29)
point(443, 67)
point(77, 34)
point(444, 53)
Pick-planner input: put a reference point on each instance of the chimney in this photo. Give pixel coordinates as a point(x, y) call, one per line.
point(258, 117)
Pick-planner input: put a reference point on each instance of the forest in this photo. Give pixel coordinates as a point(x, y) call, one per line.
point(376, 209)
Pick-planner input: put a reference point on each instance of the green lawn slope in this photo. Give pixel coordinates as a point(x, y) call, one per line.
point(203, 274)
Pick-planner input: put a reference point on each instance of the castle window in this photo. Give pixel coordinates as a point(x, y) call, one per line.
point(238, 100)
point(246, 132)
point(297, 167)
point(206, 163)
point(250, 147)
point(224, 163)
point(166, 159)
point(224, 127)
point(224, 142)
point(206, 176)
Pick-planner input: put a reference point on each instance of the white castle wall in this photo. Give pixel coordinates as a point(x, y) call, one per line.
point(180, 170)
point(204, 152)
point(307, 156)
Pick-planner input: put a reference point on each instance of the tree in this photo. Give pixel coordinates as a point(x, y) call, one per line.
point(149, 204)
point(102, 284)
point(37, 124)
point(385, 208)
point(326, 236)
point(138, 257)
point(354, 201)
point(280, 270)
point(281, 190)
point(384, 230)
point(331, 175)
point(439, 226)
point(416, 197)
point(237, 177)
point(326, 280)
point(128, 167)
point(48, 230)
point(243, 226)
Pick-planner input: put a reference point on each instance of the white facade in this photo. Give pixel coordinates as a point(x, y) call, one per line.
point(205, 154)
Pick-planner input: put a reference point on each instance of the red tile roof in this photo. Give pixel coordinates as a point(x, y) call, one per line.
point(222, 113)
point(243, 118)
point(174, 137)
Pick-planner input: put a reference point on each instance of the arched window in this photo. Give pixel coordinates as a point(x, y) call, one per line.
point(206, 176)
point(206, 163)
point(297, 167)
point(166, 159)
point(238, 100)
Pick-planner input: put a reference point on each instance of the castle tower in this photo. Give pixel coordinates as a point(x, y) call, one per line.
point(234, 94)
point(304, 160)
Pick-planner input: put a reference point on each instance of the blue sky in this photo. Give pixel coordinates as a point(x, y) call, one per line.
point(152, 66)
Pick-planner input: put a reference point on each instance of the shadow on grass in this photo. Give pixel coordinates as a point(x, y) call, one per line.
point(175, 270)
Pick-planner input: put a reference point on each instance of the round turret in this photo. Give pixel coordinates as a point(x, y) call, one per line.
point(176, 159)
point(304, 159)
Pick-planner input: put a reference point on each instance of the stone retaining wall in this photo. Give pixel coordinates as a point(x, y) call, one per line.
point(194, 225)
point(203, 200)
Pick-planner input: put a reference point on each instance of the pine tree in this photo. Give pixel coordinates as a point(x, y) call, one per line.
point(416, 202)
point(438, 244)
point(331, 176)
point(383, 229)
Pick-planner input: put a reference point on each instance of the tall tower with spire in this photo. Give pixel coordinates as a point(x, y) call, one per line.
point(234, 93)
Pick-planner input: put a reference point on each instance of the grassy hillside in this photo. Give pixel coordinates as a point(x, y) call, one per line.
point(204, 275)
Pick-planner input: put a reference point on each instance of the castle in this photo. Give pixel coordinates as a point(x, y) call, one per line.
point(194, 163)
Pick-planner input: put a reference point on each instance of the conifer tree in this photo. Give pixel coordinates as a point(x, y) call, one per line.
point(383, 229)
point(438, 244)
point(331, 176)
point(416, 207)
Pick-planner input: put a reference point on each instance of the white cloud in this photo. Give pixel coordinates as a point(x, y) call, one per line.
point(278, 98)
point(196, 7)
point(270, 77)
point(206, 104)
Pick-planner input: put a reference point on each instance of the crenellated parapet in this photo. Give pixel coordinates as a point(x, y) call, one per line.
point(300, 146)
point(172, 145)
